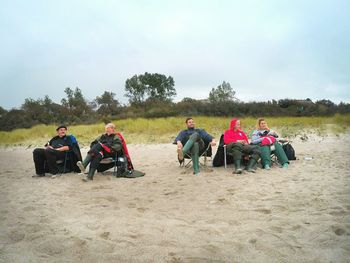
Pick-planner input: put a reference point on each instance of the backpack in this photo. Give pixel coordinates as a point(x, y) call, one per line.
point(289, 150)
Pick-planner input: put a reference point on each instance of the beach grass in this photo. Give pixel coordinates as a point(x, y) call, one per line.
point(164, 130)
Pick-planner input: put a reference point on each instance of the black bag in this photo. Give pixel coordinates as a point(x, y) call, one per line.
point(289, 150)
point(220, 155)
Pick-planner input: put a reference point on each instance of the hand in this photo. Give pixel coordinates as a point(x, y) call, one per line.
point(213, 143)
point(49, 147)
point(179, 145)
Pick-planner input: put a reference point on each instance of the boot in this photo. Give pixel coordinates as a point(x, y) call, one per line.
point(182, 152)
point(250, 165)
point(195, 158)
point(90, 175)
point(238, 169)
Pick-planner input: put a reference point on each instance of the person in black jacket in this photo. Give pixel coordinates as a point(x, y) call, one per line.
point(105, 145)
point(45, 159)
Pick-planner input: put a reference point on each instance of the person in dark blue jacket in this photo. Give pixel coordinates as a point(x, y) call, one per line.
point(193, 141)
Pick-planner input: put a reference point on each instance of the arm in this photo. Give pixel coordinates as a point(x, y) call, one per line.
point(273, 133)
point(207, 137)
point(117, 144)
point(256, 137)
point(179, 138)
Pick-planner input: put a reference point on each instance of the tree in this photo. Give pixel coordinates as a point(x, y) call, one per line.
point(106, 104)
point(76, 103)
point(150, 87)
point(222, 93)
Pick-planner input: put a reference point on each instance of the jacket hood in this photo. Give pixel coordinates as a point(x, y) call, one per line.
point(233, 123)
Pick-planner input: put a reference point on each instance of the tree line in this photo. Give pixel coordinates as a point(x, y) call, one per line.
point(151, 95)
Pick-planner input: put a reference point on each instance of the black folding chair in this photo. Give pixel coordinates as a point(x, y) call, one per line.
point(207, 152)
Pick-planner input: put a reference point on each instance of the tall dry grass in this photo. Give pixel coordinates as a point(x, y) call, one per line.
point(164, 130)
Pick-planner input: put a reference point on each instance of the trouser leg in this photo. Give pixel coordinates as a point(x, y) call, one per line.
point(195, 157)
point(87, 160)
point(235, 150)
point(255, 153)
point(96, 159)
point(52, 156)
point(265, 155)
point(281, 155)
point(40, 161)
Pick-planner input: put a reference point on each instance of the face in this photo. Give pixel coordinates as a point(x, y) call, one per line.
point(190, 123)
point(61, 132)
point(109, 130)
point(238, 125)
point(263, 125)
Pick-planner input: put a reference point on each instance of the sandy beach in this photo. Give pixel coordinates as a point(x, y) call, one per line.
point(299, 214)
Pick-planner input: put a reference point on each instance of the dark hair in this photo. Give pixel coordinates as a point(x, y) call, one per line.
point(189, 118)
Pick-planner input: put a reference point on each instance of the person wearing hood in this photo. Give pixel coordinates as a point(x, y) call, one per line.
point(265, 137)
point(237, 145)
point(192, 141)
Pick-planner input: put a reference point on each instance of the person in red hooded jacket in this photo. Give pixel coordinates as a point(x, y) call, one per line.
point(237, 145)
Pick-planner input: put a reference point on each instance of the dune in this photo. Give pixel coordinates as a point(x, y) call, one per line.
point(299, 214)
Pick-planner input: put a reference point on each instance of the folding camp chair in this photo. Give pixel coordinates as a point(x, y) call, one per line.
point(116, 162)
point(207, 152)
point(272, 148)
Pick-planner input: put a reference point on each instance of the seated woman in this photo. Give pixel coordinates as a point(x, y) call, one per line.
point(237, 145)
point(106, 145)
point(265, 137)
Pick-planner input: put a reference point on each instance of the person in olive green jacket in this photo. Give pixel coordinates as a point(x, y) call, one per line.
point(105, 145)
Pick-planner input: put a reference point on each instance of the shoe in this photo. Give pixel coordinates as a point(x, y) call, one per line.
point(238, 171)
point(86, 178)
point(38, 175)
point(55, 175)
point(285, 165)
point(81, 166)
point(267, 167)
point(180, 154)
point(251, 170)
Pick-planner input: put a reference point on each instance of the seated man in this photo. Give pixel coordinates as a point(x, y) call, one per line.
point(237, 145)
point(192, 140)
point(45, 160)
point(105, 145)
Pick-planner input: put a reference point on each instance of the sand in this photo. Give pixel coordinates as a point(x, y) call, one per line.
point(301, 214)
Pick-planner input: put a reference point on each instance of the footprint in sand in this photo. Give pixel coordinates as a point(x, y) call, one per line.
point(339, 231)
point(105, 235)
point(264, 211)
point(142, 209)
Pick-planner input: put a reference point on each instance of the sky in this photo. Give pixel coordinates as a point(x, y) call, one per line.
point(264, 49)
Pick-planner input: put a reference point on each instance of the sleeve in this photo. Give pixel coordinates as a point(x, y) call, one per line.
point(227, 137)
point(205, 136)
point(256, 139)
point(95, 141)
point(179, 137)
point(273, 133)
point(117, 144)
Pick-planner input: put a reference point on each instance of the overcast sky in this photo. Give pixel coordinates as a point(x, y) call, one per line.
point(264, 49)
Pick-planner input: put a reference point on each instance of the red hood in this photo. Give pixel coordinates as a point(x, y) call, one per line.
point(233, 123)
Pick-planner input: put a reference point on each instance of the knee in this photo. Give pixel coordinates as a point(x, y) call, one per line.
point(194, 136)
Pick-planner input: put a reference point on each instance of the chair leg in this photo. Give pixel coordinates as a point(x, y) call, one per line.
point(65, 163)
point(115, 166)
point(225, 160)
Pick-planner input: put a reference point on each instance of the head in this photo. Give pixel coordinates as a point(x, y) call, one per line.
point(61, 130)
point(235, 124)
point(262, 124)
point(110, 128)
point(190, 123)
